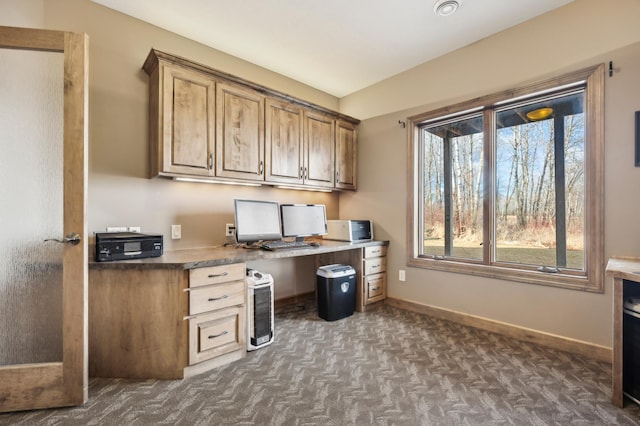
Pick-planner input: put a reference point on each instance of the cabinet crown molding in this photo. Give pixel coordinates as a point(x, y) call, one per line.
point(155, 56)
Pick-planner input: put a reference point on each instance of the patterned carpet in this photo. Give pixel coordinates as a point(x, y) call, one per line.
point(385, 367)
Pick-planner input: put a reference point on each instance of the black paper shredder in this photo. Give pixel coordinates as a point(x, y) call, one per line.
point(336, 285)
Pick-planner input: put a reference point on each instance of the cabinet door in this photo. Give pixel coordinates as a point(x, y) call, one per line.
point(187, 142)
point(346, 155)
point(375, 287)
point(217, 333)
point(283, 143)
point(240, 133)
point(319, 150)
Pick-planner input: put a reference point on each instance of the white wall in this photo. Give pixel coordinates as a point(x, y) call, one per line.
point(584, 33)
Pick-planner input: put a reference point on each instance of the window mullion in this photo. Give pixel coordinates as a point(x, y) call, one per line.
point(488, 205)
point(561, 205)
point(448, 196)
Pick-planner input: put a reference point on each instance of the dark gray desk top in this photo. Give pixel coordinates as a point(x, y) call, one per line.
point(212, 256)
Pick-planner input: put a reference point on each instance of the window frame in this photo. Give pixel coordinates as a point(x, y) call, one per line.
point(593, 278)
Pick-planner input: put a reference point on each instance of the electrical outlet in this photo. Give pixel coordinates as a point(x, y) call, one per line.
point(401, 275)
point(176, 232)
point(230, 230)
point(116, 229)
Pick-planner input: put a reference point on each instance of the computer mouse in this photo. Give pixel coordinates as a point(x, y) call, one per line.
point(314, 244)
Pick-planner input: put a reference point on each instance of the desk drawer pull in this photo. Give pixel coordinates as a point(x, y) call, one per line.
point(213, 299)
point(374, 288)
point(218, 335)
point(224, 274)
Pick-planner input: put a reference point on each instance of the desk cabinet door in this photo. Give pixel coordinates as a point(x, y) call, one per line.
point(217, 333)
point(375, 287)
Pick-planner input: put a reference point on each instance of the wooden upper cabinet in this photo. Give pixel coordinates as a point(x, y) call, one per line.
point(319, 149)
point(346, 155)
point(209, 124)
point(284, 149)
point(240, 133)
point(182, 127)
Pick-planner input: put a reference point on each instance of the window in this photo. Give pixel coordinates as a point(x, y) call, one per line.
point(510, 185)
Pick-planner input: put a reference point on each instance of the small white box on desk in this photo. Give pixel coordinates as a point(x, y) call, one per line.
point(349, 230)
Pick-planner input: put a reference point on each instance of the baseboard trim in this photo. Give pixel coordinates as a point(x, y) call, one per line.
point(590, 350)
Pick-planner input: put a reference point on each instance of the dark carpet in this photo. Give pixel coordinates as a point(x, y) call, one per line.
point(384, 367)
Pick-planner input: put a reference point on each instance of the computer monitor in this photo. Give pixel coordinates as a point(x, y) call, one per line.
point(257, 220)
point(303, 220)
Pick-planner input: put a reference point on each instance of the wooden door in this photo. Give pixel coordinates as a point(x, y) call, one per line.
point(188, 111)
point(283, 143)
point(346, 155)
point(60, 379)
point(240, 133)
point(319, 150)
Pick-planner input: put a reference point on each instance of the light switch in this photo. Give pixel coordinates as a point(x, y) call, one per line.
point(176, 232)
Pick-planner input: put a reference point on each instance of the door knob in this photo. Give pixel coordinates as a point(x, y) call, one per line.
point(72, 238)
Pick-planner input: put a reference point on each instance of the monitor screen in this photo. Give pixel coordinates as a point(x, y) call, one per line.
point(303, 220)
point(257, 220)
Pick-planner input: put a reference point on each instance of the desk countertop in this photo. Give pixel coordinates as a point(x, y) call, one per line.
point(212, 256)
point(625, 268)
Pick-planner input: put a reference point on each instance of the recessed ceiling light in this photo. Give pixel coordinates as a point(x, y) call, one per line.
point(446, 7)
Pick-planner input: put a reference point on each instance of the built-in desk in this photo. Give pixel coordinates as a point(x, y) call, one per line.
point(184, 313)
point(624, 271)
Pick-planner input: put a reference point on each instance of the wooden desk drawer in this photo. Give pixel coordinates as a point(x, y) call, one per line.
point(375, 251)
point(375, 265)
point(216, 296)
point(375, 286)
point(216, 274)
point(216, 333)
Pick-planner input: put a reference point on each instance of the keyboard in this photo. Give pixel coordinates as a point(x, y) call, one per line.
point(280, 245)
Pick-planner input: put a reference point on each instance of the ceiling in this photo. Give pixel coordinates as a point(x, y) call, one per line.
point(337, 46)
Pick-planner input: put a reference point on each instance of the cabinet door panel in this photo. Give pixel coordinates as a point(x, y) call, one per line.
point(188, 122)
point(240, 131)
point(320, 153)
point(217, 333)
point(283, 144)
point(346, 155)
point(375, 287)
